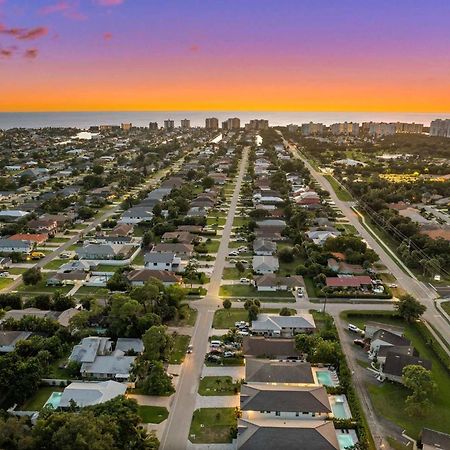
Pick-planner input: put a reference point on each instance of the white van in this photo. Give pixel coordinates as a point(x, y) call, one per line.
point(215, 344)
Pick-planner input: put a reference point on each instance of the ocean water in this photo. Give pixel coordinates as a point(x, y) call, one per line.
point(142, 118)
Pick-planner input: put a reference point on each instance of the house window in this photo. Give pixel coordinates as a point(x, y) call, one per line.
point(297, 414)
point(277, 413)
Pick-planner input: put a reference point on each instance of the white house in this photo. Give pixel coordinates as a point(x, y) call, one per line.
point(163, 261)
point(283, 326)
point(265, 264)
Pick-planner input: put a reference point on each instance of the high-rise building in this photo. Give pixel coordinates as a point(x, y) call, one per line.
point(153, 126)
point(345, 128)
point(185, 123)
point(212, 123)
point(311, 128)
point(232, 124)
point(389, 129)
point(440, 127)
point(292, 128)
point(126, 126)
point(169, 124)
point(257, 125)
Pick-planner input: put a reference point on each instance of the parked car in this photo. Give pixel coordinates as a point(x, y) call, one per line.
point(213, 358)
point(353, 328)
point(233, 253)
point(393, 285)
point(359, 342)
point(190, 348)
point(243, 333)
point(229, 354)
point(4, 274)
point(243, 261)
point(233, 261)
point(64, 255)
point(244, 280)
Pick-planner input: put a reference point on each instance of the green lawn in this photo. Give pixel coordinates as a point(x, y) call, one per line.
point(231, 273)
point(246, 290)
point(213, 245)
point(42, 288)
point(189, 316)
point(212, 221)
point(55, 264)
point(224, 318)
point(57, 240)
point(139, 260)
point(16, 270)
point(106, 268)
point(37, 401)
point(5, 282)
point(180, 345)
point(92, 290)
point(218, 386)
point(446, 307)
point(212, 425)
point(152, 414)
point(389, 398)
point(341, 193)
point(310, 287)
point(240, 221)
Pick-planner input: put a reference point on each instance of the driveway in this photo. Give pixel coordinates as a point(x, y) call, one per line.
point(236, 372)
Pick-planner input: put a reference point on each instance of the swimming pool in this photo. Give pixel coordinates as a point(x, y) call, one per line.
point(345, 441)
point(53, 400)
point(339, 411)
point(324, 378)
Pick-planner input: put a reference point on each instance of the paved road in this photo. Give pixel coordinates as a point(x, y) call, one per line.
point(419, 290)
point(176, 433)
point(113, 210)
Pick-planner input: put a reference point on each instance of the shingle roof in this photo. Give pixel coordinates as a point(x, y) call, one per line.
point(268, 397)
point(277, 322)
point(390, 338)
point(435, 439)
point(276, 347)
point(274, 371)
point(396, 362)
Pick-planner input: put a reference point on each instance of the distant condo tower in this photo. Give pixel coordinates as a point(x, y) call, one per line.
point(389, 129)
point(231, 124)
point(345, 128)
point(169, 124)
point(311, 128)
point(185, 123)
point(257, 125)
point(126, 126)
point(153, 126)
point(212, 123)
point(440, 127)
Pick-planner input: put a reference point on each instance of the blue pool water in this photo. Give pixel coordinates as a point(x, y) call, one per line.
point(339, 411)
point(345, 441)
point(324, 378)
point(53, 400)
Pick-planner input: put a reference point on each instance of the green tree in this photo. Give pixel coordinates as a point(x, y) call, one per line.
point(419, 380)
point(157, 381)
point(227, 304)
point(32, 276)
point(285, 312)
point(240, 267)
point(157, 343)
point(409, 308)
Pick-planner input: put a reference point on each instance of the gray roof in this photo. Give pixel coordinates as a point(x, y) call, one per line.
point(158, 194)
point(89, 347)
point(86, 394)
point(115, 364)
point(100, 250)
point(290, 435)
point(10, 338)
point(435, 439)
point(396, 362)
point(284, 398)
point(275, 371)
point(138, 211)
point(126, 344)
point(277, 322)
point(265, 263)
point(390, 338)
point(162, 257)
point(276, 347)
point(7, 243)
point(264, 245)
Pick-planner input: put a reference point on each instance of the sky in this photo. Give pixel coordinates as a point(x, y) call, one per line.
point(252, 55)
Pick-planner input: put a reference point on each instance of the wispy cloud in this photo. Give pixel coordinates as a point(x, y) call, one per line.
point(24, 34)
point(31, 53)
point(66, 8)
point(107, 36)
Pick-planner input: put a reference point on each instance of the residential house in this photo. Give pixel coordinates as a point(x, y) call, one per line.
point(275, 225)
point(264, 247)
point(5, 263)
point(258, 370)
point(135, 215)
point(274, 325)
point(272, 282)
point(64, 278)
point(49, 226)
point(130, 345)
point(12, 215)
point(372, 327)
point(13, 246)
point(179, 236)
point(265, 264)
point(62, 317)
point(139, 277)
point(262, 347)
point(122, 229)
point(184, 251)
point(271, 401)
point(37, 239)
point(392, 369)
point(319, 237)
point(382, 338)
point(358, 281)
point(99, 361)
point(9, 339)
point(344, 268)
point(90, 393)
point(167, 261)
point(257, 434)
point(100, 251)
